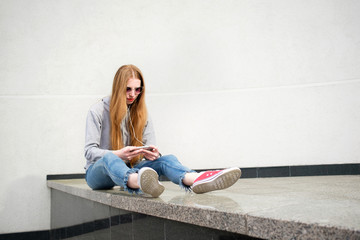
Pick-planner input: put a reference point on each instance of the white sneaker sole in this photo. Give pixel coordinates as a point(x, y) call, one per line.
point(149, 182)
point(222, 180)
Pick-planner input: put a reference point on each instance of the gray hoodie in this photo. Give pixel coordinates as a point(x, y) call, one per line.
point(97, 133)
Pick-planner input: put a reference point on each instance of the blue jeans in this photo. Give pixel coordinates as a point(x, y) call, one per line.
point(110, 171)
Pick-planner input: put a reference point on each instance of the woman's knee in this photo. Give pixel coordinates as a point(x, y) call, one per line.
point(169, 158)
point(111, 160)
point(97, 179)
point(110, 157)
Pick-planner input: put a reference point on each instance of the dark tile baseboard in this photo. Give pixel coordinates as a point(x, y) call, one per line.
point(65, 176)
point(38, 235)
point(260, 172)
point(297, 171)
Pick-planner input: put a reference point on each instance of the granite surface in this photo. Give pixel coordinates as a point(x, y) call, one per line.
point(326, 207)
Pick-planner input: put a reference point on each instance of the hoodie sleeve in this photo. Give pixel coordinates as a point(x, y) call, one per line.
point(149, 133)
point(93, 152)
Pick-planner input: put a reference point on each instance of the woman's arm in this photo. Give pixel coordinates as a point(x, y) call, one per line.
point(93, 135)
point(150, 140)
point(149, 133)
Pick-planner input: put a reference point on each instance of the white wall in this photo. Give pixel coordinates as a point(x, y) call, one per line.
point(230, 83)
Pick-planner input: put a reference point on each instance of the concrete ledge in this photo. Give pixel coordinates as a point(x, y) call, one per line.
point(326, 207)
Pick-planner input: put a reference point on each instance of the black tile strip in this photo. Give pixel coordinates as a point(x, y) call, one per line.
point(65, 176)
point(115, 220)
point(88, 227)
point(73, 231)
point(322, 170)
point(102, 224)
point(38, 235)
point(316, 170)
point(125, 218)
point(274, 172)
point(280, 171)
point(249, 172)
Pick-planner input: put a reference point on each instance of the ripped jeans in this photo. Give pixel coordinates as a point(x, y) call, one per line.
point(110, 171)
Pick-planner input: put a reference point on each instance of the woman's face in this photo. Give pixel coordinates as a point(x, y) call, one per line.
point(133, 89)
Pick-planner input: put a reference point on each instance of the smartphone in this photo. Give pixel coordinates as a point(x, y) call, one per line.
point(144, 147)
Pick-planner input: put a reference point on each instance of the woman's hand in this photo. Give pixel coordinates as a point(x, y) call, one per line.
point(152, 154)
point(127, 153)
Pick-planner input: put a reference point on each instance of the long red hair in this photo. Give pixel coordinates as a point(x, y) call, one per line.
point(119, 108)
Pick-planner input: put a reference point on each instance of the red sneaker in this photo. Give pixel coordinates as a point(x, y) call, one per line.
point(216, 180)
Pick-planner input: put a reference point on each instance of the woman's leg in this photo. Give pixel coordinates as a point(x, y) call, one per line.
point(110, 171)
point(198, 182)
point(170, 167)
point(190, 178)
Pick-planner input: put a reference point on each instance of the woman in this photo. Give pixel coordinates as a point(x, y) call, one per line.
point(118, 128)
